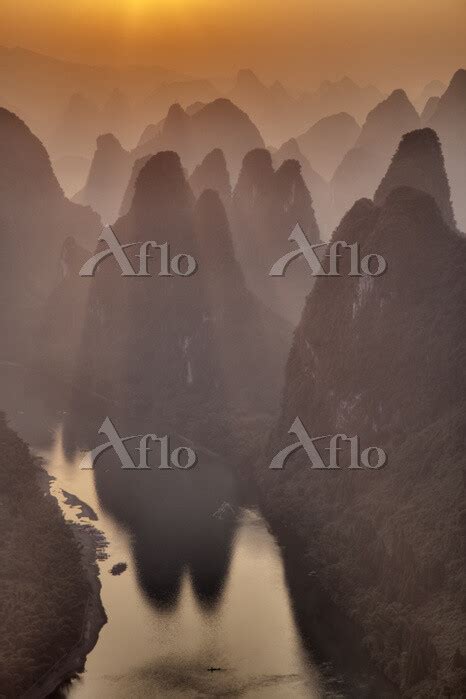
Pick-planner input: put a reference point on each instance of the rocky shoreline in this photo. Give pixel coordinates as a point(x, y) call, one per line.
point(89, 541)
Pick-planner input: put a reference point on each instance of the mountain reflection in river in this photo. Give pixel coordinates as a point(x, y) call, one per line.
point(204, 587)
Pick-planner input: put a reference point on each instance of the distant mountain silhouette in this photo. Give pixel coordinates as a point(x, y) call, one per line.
point(429, 110)
point(248, 89)
point(175, 133)
point(107, 179)
point(317, 186)
point(342, 96)
point(387, 122)
point(194, 107)
point(419, 163)
point(280, 115)
point(267, 205)
point(449, 121)
point(36, 219)
point(212, 174)
point(182, 92)
point(217, 126)
point(435, 88)
point(327, 141)
point(71, 172)
point(39, 86)
point(117, 116)
point(78, 129)
point(382, 358)
point(220, 124)
point(363, 166)
point(150, 132)
point(279, 93)
point(272, 108)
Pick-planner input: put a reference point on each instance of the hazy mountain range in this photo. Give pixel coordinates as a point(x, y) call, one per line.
point(229, 357)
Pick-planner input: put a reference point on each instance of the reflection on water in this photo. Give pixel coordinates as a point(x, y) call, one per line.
point(201, 591)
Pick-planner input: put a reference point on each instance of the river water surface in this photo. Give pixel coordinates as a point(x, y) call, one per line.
point(151, 650)
point(206, 585)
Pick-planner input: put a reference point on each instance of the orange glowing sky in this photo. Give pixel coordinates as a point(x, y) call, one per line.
point(301, 41)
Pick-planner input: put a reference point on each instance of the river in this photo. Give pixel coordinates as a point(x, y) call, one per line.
point(148, 649)
point(209, 605)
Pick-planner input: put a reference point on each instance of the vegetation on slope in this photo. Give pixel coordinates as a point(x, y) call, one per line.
point(43, 589)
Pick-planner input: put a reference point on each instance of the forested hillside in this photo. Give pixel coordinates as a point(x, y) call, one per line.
point(43, 587)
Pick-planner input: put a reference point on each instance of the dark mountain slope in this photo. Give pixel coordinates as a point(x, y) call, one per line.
point(45, 595)
point(174, 348)
point(383, 358)
point(35, 220)
point(419, 163)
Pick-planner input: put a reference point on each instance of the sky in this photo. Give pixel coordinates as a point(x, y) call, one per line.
point(388, 42)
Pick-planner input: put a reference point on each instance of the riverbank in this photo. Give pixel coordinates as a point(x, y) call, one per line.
point(89, 542)
point(333, 640)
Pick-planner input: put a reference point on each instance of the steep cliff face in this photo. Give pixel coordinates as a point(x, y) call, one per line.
point(107, 180)
point(188, 350)
point(267, 205)
point(364, 165)
point(35, 220)
point(383, 358)
point(449, 121)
